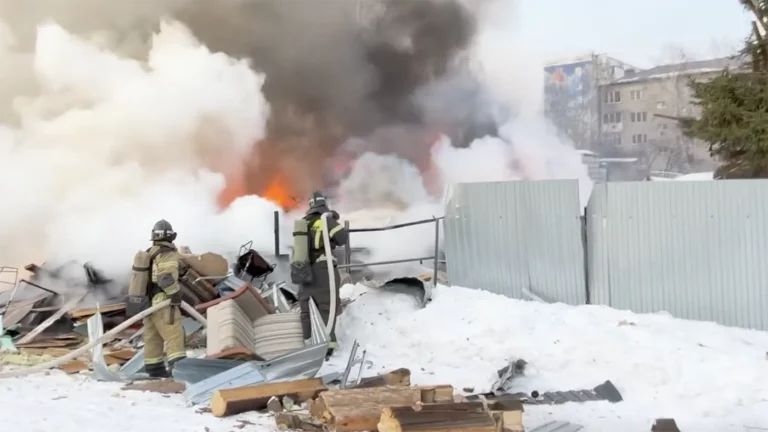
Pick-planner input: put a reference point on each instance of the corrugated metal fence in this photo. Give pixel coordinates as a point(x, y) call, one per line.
point(511, 237)
point(698, 250)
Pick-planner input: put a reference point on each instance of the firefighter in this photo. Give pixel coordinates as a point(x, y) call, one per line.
point(319, 289)
point(164, 326)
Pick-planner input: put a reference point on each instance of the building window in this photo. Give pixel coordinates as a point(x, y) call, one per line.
point(661, 104)
point(640, 117)
point(613, 117)
point(663, 126)
point(636, 95)
point(612, 97)
point(639, 139)
point(613, 139)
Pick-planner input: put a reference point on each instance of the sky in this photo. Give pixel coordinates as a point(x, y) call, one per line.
point(642, 33)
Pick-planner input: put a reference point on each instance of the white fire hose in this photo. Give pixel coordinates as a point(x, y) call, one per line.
point(106, 337)
point(331, 274)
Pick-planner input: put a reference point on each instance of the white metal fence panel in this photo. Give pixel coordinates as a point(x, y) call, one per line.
point(695, 249)
point(506, 237)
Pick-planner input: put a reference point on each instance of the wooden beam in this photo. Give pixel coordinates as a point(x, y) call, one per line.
point(360, 409)
point(238, 400)
point(470, 416)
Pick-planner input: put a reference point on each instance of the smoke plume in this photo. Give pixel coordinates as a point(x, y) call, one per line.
point(213, 114)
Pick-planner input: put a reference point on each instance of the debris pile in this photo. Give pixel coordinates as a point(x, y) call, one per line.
point(252, 355)
point(43, 317)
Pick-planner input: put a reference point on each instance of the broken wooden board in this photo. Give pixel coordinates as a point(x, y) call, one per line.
point(469, 416)
point(360, 409)
point(88, 312)
point(163, 386)
point(68, 306)
point(253, 398)
point(74, 366)
point(237, 353)
point(58, 341)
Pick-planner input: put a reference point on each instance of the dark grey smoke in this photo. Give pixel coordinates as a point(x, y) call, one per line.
point(348, 61)
point(334, 68)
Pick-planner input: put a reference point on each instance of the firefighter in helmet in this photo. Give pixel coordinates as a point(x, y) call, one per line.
point(320, 289)
point(164, 326)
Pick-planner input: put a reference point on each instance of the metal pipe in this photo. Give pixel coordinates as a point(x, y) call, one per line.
point(347, 247)
point(277, 233)
point(400, 261)
point(437, 251)
point(391, 227)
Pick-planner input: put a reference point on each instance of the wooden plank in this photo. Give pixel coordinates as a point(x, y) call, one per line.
point(469, 417)
point(360, 409)
point(88, 312)
point(68, 306)
point(253, 398)
point(437, 394)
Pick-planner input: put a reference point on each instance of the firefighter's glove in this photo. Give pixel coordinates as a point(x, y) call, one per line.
point(176, 298)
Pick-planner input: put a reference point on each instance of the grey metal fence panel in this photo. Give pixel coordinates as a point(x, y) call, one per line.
point(508, 236)
point(695, 249)
point(597, 252)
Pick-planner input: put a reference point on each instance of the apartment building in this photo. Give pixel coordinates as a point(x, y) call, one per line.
point(571, 92)
point(638, 112)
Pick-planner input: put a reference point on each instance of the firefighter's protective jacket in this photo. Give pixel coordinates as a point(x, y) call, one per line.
point(165, 271)
point(337, 233)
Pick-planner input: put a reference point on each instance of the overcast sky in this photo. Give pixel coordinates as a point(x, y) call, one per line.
point(640, 32)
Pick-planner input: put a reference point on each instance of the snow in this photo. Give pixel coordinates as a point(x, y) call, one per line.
point(708, 377)
point(58, 402)
point(700, 176)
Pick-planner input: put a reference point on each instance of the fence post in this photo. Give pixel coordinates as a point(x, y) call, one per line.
point(277, 233)
point(437, 251)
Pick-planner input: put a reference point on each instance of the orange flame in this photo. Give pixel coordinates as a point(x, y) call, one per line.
point(279, 193)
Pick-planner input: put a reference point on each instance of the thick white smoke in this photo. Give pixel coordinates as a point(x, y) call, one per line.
point(99, 147)
point(110, 145)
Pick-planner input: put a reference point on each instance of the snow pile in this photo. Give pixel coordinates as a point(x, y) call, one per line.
point(707, 377)
point(42, 403)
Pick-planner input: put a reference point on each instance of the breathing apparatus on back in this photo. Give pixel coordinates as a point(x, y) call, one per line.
point(301, 271)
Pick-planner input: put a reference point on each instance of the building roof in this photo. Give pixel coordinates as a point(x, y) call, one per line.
point(580, 58)
point(686, 68)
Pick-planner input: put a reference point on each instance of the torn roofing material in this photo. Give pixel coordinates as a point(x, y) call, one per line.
point(303, 363)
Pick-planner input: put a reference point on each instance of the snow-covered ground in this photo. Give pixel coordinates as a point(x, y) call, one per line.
point(707, 377)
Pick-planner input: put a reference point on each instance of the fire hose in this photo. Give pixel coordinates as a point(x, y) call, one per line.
point(106, 337)
point(331, 275)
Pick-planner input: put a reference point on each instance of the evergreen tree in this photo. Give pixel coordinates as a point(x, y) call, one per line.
point(734, 108)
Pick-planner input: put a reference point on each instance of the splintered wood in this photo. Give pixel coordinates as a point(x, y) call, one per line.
point(238, 400)
point(360, 409)
point(468, 417)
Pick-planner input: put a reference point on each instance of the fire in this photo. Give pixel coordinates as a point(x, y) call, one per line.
point(279, 193)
